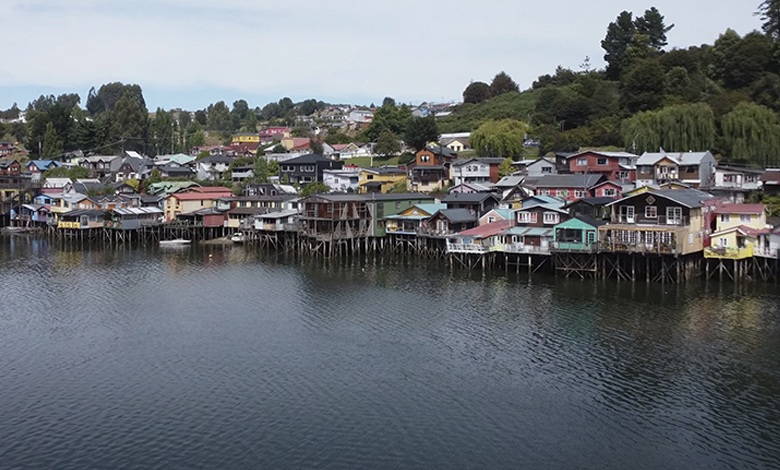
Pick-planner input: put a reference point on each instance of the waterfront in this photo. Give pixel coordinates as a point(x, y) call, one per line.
point(232, 358)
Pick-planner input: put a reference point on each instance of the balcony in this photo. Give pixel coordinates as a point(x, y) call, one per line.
point(574, 247)
point(526, 249)
point(660, 220)
point(728, 252)
point(763, 252)
point(466, 248)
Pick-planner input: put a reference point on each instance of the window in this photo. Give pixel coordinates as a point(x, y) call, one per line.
point(602, 161)
point(744, 218)
point(369, 177)
point(526, 217)
point(723, 241)
point(725, 218)
point(610, 192)
point(491, 219)
point(546, 170)
point(288, 168)
point(651, 212)
point(562, 193)
point(398, 205)
point(582, 162)
point(550, 217)
point(622, 175)
point(580, 193)
point(544, 192)
point(674, 215)
point(425, 158)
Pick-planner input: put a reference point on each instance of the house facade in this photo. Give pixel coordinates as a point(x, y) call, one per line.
point(695, 169)
point(615, 166)
point(306, 169)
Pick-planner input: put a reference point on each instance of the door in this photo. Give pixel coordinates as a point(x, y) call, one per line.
point(627, 214)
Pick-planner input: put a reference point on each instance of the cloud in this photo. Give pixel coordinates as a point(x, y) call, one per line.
point(411, 50)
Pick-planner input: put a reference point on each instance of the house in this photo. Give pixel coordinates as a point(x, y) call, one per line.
point(578, 234)
point(187, 203)
point(343, 180)
point(607, 189)
point(166, 188)
point(10, 168)
point(413, 220)
point(471, 188)
point(614, 166)
point(382, 206)
point(735, 229)
point(205, 217)
point(268, 189)
point(333, 217)
point(475, 170)
point(241, 211)
point(495, 215)
point(534, 228)
point(101, 166)
point(696, 169)
point(457, 142)
point(535, 168)
point(306, 169)
point(245, 138)
point(568, 187)
point(133, 218)
point(430, 170)
point(33, 213)
point(278, 221)
point(733, 183)
point(242, 173)
point(36, 167)
point(667, 221)
point(135, 168)
point(81, 219)
point(174, 170)
point(477, 203)
point(481, 239)
point(768, 244)
point(770, 181)
point(269, 134)
point(445, 222)
point(593, 207)
point(380, 179)
point(213, 167)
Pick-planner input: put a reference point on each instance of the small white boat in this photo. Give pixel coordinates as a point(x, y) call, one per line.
point(175, 242)
point(238, 237)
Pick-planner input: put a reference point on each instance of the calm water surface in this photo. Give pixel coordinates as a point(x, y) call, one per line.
point(231, 358)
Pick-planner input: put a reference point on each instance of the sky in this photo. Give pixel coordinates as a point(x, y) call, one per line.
point(190, 53)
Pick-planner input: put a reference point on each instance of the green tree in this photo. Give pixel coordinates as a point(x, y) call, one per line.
point(388, 117)
point(109, 94)
point(387, 144)
point(52, 144)
point(738, 62)
point(506, 168)
point(769, 11)
point(620, 33)
point(420, 131)
point(261, 170)
point(499, 138)
point(316, 146)
point(502, 83)
point(752, 132)
point(219, 117)
point(77, 172)
point(250, 123)
point(652, 25)
point(162, 129)
point(642, 87)
point(316, 187)
point(679, 128)
point(476, 92)
point(128, 120)
point(278, 148)
point(154, 177)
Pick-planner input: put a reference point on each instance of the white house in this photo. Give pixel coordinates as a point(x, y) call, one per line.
point(342, 180)
point(469, 171)
point(213, 167)
point(696, 169)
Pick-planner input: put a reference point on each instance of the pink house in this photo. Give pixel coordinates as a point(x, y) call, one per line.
point(616, 166)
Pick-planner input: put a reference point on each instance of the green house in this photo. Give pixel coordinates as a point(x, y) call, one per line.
point(383, 205)
point(577, 234)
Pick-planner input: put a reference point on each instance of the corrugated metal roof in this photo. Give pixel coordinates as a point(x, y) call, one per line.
point(487, 230)
point(138, 211)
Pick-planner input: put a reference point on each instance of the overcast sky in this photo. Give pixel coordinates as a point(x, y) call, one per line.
point(189, 53)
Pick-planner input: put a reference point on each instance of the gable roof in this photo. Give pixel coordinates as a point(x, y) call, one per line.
point(740, 209)
point(308, 158)
point(681, 158)
point(591, 201)
point(487, 230)
point(457, 216)
point(691, 198)
point(467, 198)
point(569, 181)
point(605, 154)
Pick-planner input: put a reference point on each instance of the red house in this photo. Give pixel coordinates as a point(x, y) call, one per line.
point(607, 189)
point(568, 187)
point(615, 166)
point(10, 168)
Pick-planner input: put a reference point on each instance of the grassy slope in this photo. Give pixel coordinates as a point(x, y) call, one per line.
point(468, 117)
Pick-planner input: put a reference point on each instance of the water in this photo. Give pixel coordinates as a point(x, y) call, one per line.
point(231, 358)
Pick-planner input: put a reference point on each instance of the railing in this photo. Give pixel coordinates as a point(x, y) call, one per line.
point(586, 247)
point(728, 252)
point(765, 252)
point(658, 248)
point(660, 220)
point(529, 249)
point(466, 248)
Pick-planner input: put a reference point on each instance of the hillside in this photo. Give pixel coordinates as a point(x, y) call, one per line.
point(468, 117)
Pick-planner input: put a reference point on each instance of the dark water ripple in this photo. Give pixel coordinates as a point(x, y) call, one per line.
point(231, 358)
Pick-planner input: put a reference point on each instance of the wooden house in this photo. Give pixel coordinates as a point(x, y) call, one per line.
point(594, 207)
point(383, 205)
point(133, 218)
point(448, 221)
point(481, 239)
point(534, 228)
point(667, 221)
point(578, 234)
point(277, 221)
point(414, 220)
point(331, 217)
point(430, 170)
point(614, 166)
point(380, 179)
point(497, 215)
point(476, 203)
point(82, 219)
point(568, 187)
point(206, 217)
point(696, 169)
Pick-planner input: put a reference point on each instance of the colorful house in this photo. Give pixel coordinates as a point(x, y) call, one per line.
point(414, 220)
point(614, 166)
point(568, 187)
point(448, 221)
point(482, 239)
point(580, 233)
point(184, 203)
point(380, 179)
point(696, 169)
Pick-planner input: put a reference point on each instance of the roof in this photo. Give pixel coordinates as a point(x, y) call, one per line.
point(374, 184)
point(530, 231)
point(457, 216)
point(569, 181)
point(80, 212)
point(771, 176)
point(138, 211)
point(308, 158)
point(215, 159)
point(681, 158)
point(210, 189)
point(546, 207)
point(509, 181)
point(487, 230)
point(443, 151)
point(385, 170)
point(605, 154)
point(278, 214)
point(690, 198)
point(738, 169)
point(195, 196)
point(43, 164)
point(742, 229)
point(505, 213)
point(740, 209)
point(593, 201)
point(467, 198)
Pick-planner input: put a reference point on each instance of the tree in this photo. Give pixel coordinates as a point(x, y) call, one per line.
point(769, 11)
point(420, 131)
point(316, 187)
point(77, 172)
point(652, 25)
point(642, 87)
point(250, 123)
point(162, 129)
point(128, 120)
point(503, 138)
point(620, 33)
point(154, 177)
point(308, 107)
point(506, 168)
point(278, 148)
point(679, 128)
point(752, 131)
point(106, 98)
point(219, 117)
point(316, 146)
point(240, 109)
point(387, 144)
point(389, 117)
point(738, 62)
point(476, 92)
point(502, 83)
point(261, 170)
point(201, 117)
point(52, 144)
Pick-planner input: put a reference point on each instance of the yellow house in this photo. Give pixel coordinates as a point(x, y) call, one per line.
point(380, 179)
point(183, 203)
point(736, 229)
point(735, 215)
point(246, 139)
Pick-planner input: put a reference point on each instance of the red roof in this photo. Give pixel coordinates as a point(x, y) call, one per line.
point(487, 230)
point(740, 209)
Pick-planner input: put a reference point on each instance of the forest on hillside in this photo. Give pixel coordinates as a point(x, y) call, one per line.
point(723, 97)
